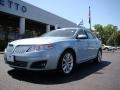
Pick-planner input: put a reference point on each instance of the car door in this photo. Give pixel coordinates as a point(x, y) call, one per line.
point(82, 44)
point(92, 45)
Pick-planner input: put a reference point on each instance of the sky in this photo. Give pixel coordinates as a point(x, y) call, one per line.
point(102, 11)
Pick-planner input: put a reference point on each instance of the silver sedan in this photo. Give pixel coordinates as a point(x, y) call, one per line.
point(59, 49)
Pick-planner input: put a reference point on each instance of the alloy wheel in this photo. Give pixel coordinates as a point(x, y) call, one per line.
point(67, 63)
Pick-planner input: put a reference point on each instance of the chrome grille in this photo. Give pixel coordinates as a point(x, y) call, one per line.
point(10, 48)
point(21, 49)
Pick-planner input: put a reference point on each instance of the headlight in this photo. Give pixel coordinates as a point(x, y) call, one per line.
point(39, 47)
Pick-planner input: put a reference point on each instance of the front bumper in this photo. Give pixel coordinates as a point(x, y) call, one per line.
point(42, 60)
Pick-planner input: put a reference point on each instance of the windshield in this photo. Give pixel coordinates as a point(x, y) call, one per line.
point(60, 33)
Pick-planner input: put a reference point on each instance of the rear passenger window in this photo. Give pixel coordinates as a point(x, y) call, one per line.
point(90, 35)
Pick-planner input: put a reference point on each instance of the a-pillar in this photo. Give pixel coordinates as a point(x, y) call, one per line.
point(47, 28)
point(21, 27)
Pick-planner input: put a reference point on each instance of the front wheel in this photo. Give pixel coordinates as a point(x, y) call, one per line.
point(66, 62)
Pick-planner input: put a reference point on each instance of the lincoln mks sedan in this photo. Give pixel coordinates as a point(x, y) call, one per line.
point(60, 49)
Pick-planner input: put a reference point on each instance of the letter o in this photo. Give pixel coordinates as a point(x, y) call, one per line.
point(24, 9)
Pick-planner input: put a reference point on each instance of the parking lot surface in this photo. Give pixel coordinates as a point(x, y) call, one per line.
point(88, 76)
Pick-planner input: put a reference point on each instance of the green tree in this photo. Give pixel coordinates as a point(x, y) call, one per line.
point(108, 33)
point(114, 39)
point(99, 30)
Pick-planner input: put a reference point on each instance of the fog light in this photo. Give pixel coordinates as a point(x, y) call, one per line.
point(39, 64)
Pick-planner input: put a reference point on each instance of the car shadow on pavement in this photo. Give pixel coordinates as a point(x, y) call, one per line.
point(52, 77)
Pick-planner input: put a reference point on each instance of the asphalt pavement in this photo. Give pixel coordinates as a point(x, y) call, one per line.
point(88, 76)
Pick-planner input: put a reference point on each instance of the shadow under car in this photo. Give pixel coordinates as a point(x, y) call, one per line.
point(51, 77)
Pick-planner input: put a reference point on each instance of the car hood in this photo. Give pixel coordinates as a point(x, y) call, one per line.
point(39, 40)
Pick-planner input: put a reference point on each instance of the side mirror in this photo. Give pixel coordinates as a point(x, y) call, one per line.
point(81, 37)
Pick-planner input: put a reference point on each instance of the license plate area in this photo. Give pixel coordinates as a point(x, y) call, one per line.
point(10, 58)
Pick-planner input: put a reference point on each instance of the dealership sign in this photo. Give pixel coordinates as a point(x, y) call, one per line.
point(11, 4)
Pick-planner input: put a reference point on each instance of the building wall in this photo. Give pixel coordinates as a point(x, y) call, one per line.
point(23, 9)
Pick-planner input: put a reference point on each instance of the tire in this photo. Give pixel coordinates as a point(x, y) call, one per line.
point(98, 59)
point(66, 63)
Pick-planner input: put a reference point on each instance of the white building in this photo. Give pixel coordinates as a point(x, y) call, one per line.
point(18, 18)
